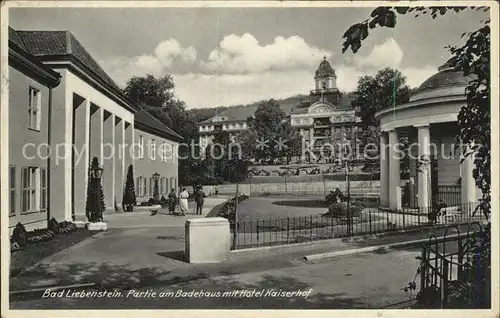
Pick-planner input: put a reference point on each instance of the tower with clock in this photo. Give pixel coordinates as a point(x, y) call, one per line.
point(325, 84)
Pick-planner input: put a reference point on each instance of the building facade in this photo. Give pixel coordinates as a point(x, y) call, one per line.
point(429, 120)
point(31, 84)
point(326, 120)
point(89, 117)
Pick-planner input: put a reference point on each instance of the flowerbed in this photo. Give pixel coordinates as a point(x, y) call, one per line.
point(20, 237)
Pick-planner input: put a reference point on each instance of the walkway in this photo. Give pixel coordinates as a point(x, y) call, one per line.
point(144, 260)
point(144, 219)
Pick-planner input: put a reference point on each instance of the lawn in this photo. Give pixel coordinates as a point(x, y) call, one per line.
point(277, 207)
point(31, 254)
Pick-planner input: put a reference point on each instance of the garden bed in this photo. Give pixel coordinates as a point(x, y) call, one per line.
point(31, 254)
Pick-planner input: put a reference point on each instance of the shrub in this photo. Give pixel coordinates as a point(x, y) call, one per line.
point(129, 199)
point(53, 225)
point(14, 246)
point(94, 206)
point(339, 210)
point(19, 235)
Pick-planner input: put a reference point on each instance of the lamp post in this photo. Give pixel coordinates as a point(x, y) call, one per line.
point(156, 195)
point(348, 188)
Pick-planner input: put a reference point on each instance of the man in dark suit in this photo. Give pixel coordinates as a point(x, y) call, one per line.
point(199, 197)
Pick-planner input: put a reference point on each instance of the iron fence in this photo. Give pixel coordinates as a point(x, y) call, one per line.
point(366, 221)
point(455, 271)
point(449, 194)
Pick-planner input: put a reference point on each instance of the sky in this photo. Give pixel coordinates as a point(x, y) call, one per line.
point(230, 56)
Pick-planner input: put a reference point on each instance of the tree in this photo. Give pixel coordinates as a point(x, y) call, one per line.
point(94, 206)
point(275, 138)
point(473, 58)
point(373, 94)
point(129, 199)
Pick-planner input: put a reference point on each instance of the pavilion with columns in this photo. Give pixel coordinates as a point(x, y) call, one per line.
point(429, 121)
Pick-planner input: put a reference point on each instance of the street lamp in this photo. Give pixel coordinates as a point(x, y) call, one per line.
point(96, 172)
point(156, 195)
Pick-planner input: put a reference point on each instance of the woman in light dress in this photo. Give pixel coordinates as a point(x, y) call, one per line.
point(184, 201)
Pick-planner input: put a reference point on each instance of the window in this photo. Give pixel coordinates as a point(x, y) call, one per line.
point(12, 182)
point(144, 186)
point(174, 150)
point(30, 198)
point(34, 109)
point(141, 147)
point(43, 189)
point(151, 186)
point(153, 149)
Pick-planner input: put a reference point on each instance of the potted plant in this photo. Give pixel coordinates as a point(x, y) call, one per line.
point(129, 199)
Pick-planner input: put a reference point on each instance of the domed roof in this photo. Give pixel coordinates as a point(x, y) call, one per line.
point(325, 69)
point(447, 76)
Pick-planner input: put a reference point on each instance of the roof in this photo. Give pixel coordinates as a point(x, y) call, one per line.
point(144, 119)
point(325, 69)
point(446, 76)
point(57, 43)
point(14, 37)
point(22, 57)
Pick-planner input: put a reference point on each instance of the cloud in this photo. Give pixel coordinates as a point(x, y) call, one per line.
point(203, 90)
point(242, 71)
point(347, 76)
point(387, 54)
point(166, 55)
point(243, 54)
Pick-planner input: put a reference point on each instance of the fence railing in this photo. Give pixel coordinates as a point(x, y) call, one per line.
point(449, 194)
point(290, 230)
point(449, 266)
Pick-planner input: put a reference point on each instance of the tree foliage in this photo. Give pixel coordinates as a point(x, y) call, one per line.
point(129, 199)
point(374, 93)
point(272, 135)
point(473, 58)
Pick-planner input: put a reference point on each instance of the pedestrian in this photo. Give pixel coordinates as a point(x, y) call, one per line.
point(199, 197)
point(216, 189)
point(172, 201)
point(183, 202)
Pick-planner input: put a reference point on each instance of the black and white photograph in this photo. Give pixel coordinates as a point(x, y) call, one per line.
point(250, 155)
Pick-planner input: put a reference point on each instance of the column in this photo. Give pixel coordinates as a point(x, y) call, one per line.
point(312, 156)
point(424, 167)
point(128, 148)
point(119, 159)
point(80, 158)
point(394, 172)
point(384, 171)
point(108, 154)
point(96, 122)
point(468, 184)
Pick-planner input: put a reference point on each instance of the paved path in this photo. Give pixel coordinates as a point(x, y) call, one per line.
point(144, 219)
point(129, 258)
point(357, 281)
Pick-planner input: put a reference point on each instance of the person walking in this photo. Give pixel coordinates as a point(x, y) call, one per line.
point(199, 196)
point(172, 201)
point(183, 202)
